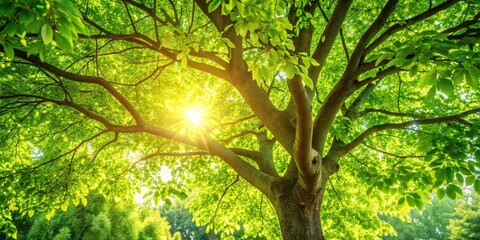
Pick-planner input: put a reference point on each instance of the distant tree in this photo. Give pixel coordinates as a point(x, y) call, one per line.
point(181, 220)
point(98, 220)
point(466, 223)
point(431, 223)
point(266, 108)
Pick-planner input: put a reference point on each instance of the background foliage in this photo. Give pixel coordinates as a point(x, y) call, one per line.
point(77, 78)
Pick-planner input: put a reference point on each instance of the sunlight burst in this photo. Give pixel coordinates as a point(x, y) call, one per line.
point(195, 116)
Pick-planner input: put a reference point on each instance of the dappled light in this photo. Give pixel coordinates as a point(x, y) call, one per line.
point(268, 119)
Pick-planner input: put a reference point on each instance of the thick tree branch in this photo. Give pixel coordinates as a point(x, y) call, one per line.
point(204, 142)
point(344, 88)
point(352, 112)
point(272, 118)
point(330, 34)
point(359, 51)
point(302, 152)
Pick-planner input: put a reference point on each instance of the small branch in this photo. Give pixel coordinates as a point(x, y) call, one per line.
point(391, 154)
point(129, 16)
point(342, 38)
point(81, 78)
point(358, 160)
point(335, 191)
point(359, 139)
point(236, 121)
point(396, 114)
point(409, 22)
point(220, 200)
point(464, 24)
point(378, 76)
point(247, 132)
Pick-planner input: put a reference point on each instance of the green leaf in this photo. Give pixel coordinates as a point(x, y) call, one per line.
point(6, 9)
point(419, 204)
point(184, 62)
point(465, 171)
point(84, 201)
point(180, 56)
point(241, 29)
point(64, 206)
point(413, 70)
point(431, 93)
point(291, 70)
point(47, 34)
point(25, 17)
point(460, 178)
point(50, 214)
point(451, 193)
point(449, 174)
point(228, 42)
point(440, 174)
point(458, 75)
point(307, 80)
point(214, 5)
point(7, 47)
point(445, 86)
point(10, 29)
point(64, 43)
point(23, 42)
point(440, 193)
point(455, 188)
point(30, 213)
point(469, 180)
point(410, 201)
point(424, 144)
point(472, 76)
point(476, 185)
point(401, 201)
point(428, 79)
point(314, 62)
point(240, 8)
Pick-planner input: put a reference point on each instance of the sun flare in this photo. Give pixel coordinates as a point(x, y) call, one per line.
point(195, 116)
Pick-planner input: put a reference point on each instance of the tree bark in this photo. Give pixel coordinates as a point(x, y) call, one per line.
point(298, 211)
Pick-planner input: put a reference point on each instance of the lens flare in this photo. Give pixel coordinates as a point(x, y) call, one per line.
point(195, 117)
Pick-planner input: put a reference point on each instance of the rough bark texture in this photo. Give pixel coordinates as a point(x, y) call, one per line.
point(298, 211)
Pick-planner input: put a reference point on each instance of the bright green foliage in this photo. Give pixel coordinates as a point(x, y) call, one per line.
point(180, 220)
point(100, 219)
point(431, 223)
point(466, 223)
point(358, 107)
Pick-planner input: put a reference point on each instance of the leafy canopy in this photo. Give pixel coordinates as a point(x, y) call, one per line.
point(240, 93)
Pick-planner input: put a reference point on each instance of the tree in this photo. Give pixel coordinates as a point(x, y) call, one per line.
point(466, 223)
point(431, 223)
point(281, 95)
point(100, 219)
point(180, 220)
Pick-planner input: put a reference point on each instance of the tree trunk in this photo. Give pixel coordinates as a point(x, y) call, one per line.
point(298, 212)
